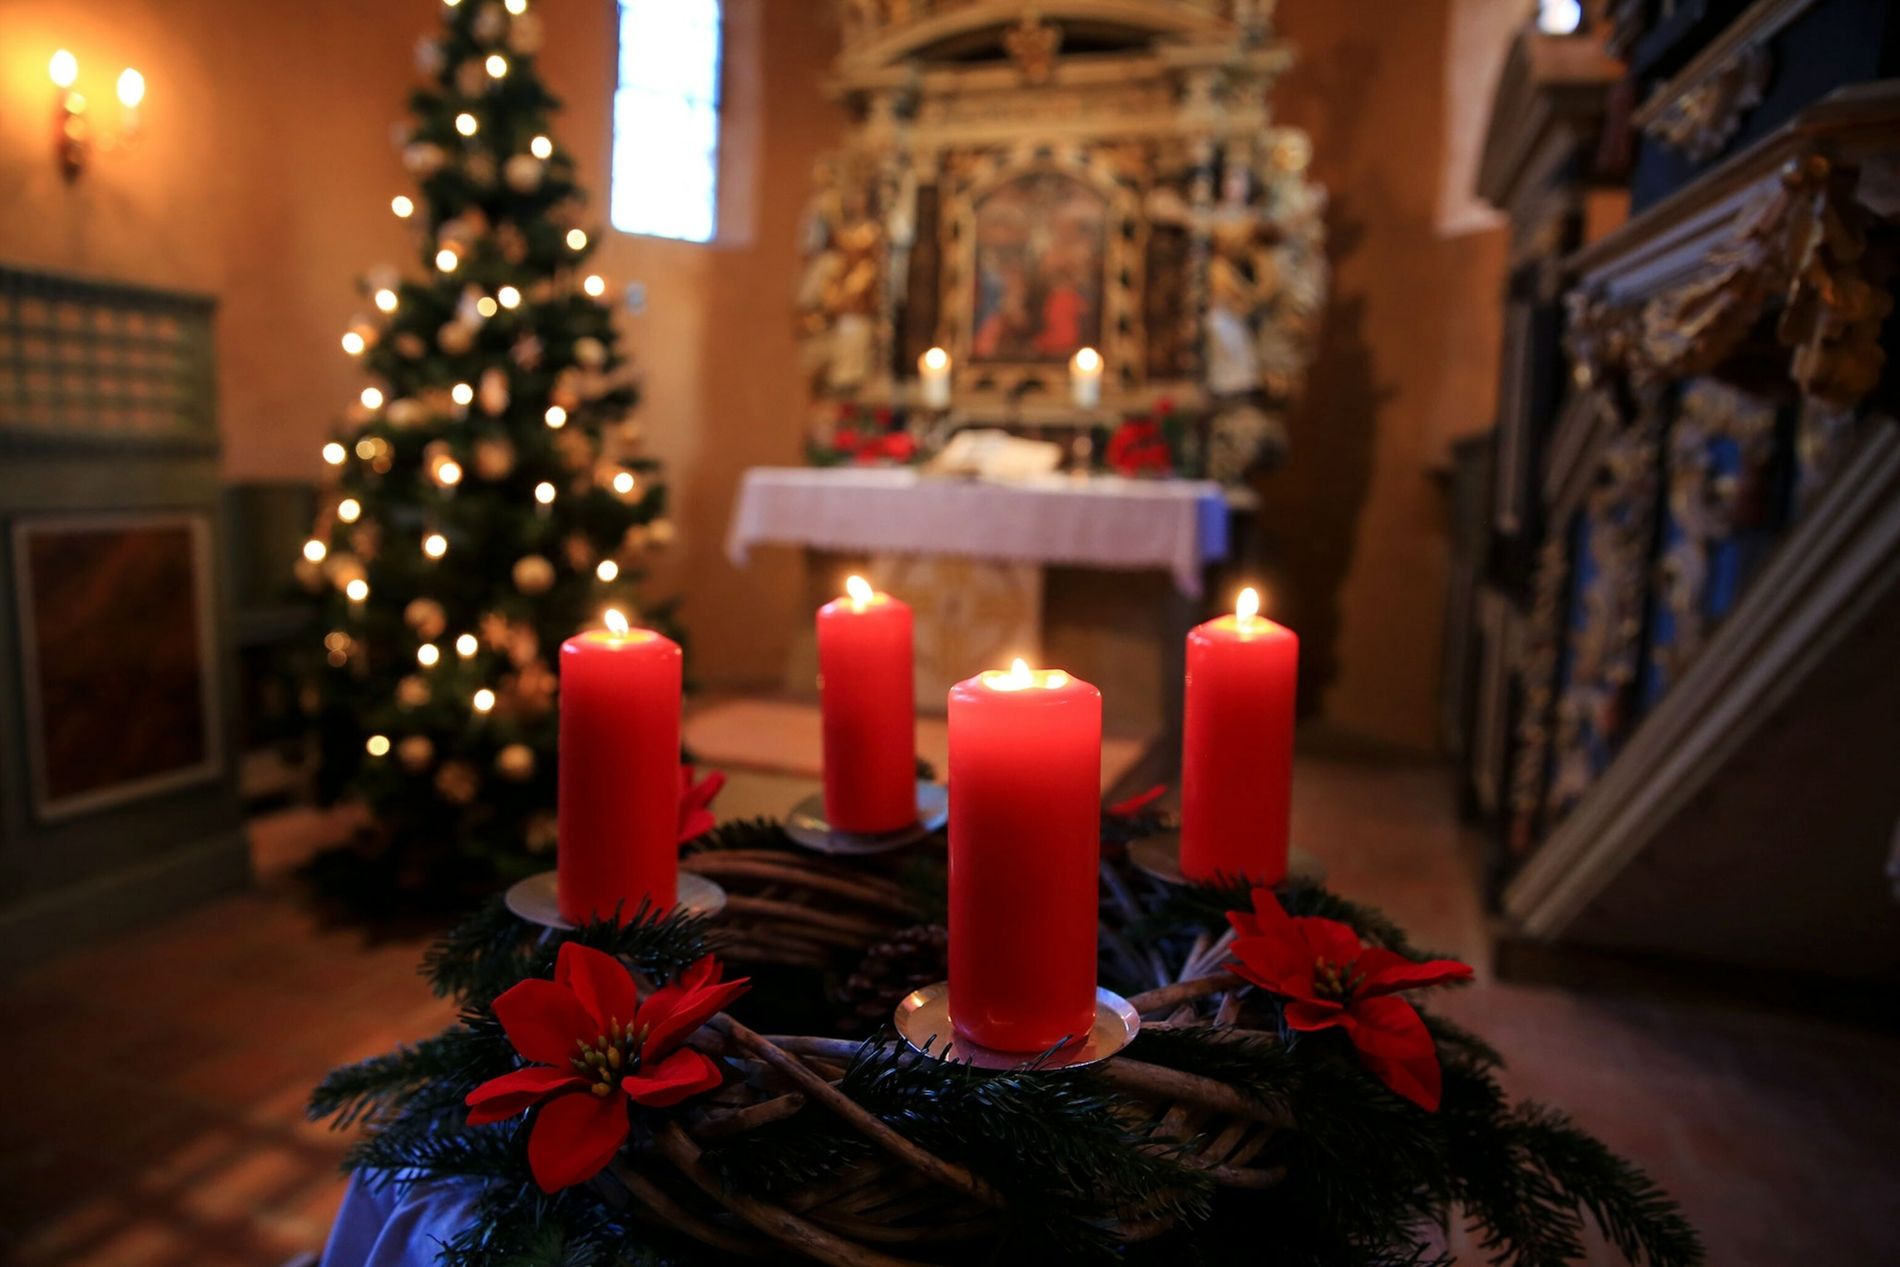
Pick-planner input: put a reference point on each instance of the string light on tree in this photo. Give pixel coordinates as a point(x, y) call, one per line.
point(516, 7)
point(462, 393)
point(377, 745)
point(497, 67)
point(556, 417)
point(446, 260)
point(448, 474)
point(509, 297)
point(577, 239)
point(466, 124)
point(403, 206)
point(349, 510)
point(353, 343)
point(428, 655)
point(544, 493)
point(484, 700)
point(623, 483)
point(386, 299)
point(334, 453)
point(315, 550)
point(466, 645)
point(372, 398)
point(595, 285)
point(357, 590)
point(607, 571)
point(435, 545)
point(487, 306)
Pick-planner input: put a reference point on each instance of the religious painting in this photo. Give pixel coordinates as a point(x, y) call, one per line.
point(1041, 245)
point(115, 619)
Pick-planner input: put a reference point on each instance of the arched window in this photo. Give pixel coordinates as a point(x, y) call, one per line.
point(666, 120)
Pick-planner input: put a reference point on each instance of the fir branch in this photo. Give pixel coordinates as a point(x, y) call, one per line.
point(494, 949)
point(1258, 1068)
point(383, 1086)
point(1633, 1213)
point(776, 1158)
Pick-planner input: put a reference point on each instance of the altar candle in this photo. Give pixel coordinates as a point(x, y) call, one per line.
point(868, 702)
point(1237, 753)
point(1085, 378)
point(619, 772)
point(933, 377)
point(1025, 796)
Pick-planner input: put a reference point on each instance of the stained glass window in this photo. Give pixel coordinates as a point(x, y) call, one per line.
point(666, 120)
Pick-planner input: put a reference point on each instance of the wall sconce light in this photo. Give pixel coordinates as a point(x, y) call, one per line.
point(73, 135)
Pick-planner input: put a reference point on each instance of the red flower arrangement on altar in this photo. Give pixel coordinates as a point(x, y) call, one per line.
point(866, 437)
point(596, 1050)
point(1330, 981)
point(1142, 445)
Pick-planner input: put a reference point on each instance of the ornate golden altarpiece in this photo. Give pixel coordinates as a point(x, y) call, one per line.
point(1024, 180)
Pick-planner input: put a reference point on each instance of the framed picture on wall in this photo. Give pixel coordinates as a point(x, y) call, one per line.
point(118, 675)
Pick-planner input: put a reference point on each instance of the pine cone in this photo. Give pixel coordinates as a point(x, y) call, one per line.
point(912, 958)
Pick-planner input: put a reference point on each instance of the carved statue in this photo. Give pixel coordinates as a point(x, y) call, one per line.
point(838, 292)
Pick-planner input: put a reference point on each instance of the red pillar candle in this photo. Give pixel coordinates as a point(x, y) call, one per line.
point(870, 724)
point(1025, 806)
point(619, 773)
point(1237, 754)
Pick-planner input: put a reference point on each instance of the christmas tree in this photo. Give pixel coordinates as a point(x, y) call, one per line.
point(487, 499)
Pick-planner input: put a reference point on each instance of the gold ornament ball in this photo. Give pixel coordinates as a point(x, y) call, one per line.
point(405, 411)
point(424, 159)
point(457, 782)
point(579, 552)
point(515, 763)
point(415, 753)
point(494, 458)
point(309, 575)
point(455, 338)
point(426, 617)
point(479, 168)
point(590, 352)
point(409, 345)
point(533, 574)
point(412, 692)
point(471, 78)
point(493, 391)
point(544, 832)
point(523, 173)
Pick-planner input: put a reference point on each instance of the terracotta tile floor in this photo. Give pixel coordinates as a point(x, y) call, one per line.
point(155, 1082)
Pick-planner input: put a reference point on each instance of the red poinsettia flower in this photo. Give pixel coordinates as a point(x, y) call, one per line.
point(1329, 980)
point(595, 1047)
point(696, 816)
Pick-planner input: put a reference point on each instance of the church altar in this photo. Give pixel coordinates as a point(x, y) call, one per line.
point(1102, 522)
point(1000, 569)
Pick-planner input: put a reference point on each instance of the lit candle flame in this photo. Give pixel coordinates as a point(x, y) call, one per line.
point(936, 359)
point(1088, 361)
point(1248, 606)
point(859, 590)
point(1020, 677)
point(617, 623)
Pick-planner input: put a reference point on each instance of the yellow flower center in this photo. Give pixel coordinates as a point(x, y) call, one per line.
point(1335, 980)
point(610, 1056)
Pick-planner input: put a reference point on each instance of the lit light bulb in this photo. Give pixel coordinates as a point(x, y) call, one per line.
point(448, 474)
point(386, 299)
point(487, 306)
point(446, 260)
point(556, 417)
point(576, 239)
point(435, 545)
point(353, 343)
point(466, 645)
point(357, 590)
point(484, 700)
point(608, 570)
point(428, 654)
point(1247, 607)
point(334, 453)
point(349, 510)
point(541, 147)
point(461, 393)
point(451, 3)
point(623, 483)
point(616, 622)
point(315, 550)
point(859, 590)
point(366, 448)
point(497, 67)
point(516, 7)
point(64, 68)
point(131, 88)
point(371, 398)
point(465, 124)
point(544, 493)
point(377, 745)
point(403, 206)
point(595, 285)
point(509, 296)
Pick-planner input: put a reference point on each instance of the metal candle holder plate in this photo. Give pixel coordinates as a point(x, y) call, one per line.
point(1160, 857)
point(807, 825)
point(537, 898)
point(923, 1018)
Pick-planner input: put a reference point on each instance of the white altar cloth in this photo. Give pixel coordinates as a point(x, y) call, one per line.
point(1102, 521)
